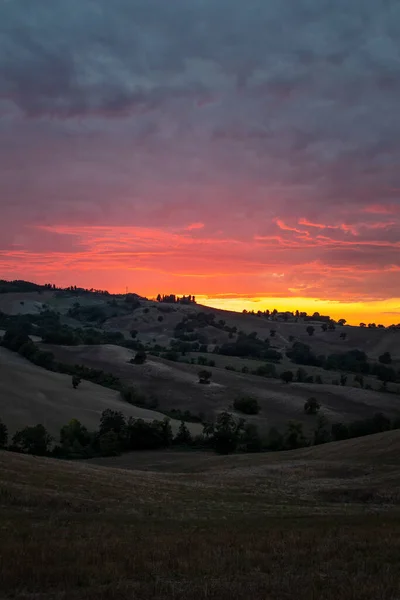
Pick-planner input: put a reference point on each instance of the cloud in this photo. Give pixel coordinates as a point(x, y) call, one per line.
point(259, 137)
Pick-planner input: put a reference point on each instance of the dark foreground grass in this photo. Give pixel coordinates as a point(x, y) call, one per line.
point(77, 532)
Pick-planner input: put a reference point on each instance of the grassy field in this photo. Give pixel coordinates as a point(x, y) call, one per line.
point(175, 385)
point(31, 395)
point(319, 523)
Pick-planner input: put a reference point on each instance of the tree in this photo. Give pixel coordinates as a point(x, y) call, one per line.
point(140, 357)
point(362, 325)
point(109, 444)
point(226, 433)
point(343, 335)
point(343, 379)
point(359, 379)
point(310, 330)
point(134, 333)
point(183, 437)
point(294, 436)
point(3, 435)
point(76, 380)
point(339, 431)
point(275, 440)
point(74, 432)
point(250, 439)
point(342, 321)
point(112, 420)
point(247, 405)
point(287, 376)
point(324, 327)
point(32, 440)
point(385, 358)
point(322, 434)
point(311, 406)
point(205, 376)
point(318, 379)
point(301, 375)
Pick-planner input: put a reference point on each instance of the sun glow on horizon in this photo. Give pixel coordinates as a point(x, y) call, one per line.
point(385, 312)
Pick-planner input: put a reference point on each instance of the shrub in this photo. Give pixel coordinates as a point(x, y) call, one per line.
point(3, 435)
point(275, 440)
point(109, 444)
point(230, 368)
point(294, 436)
point(267, 370)
point(183, 437)
point(287, 376)
point(76, 380)
point(140, 358)
point(250, 439)
point(226, 434)
point(385, 358)
point(205, 376)
point(310, 330)
point(311, 406)
point(160, 318)
point(32, 440)
point(318, 379)
point(247, 405)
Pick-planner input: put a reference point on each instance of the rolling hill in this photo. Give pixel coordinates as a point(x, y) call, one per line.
point(310, 523)
point(175, 385)
point(31, 395)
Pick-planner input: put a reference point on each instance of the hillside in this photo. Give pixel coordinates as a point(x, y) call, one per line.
point(31, 395)
point(310, 523)
point(175, 385)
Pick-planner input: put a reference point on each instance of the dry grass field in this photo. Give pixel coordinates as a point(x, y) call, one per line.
point(320, 523)
point(31, 395)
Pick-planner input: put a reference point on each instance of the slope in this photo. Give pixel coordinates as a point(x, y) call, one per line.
point(31, 395)
point(294, 525)
point(175, 385)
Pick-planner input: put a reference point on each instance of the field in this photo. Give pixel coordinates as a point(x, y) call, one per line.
point(315, 523)
point(31, 395)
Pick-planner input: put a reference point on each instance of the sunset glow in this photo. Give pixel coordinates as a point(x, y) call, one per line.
point(255, 171)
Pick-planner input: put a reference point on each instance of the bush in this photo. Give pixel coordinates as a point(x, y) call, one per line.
point(267, 370)
point(205, 377)
point(140, 358)
point(385, 358)
point(318, 379)
point(247, 406)
point(183, 437)
point(226, 434)
point(230, 368)
point(109, 444)
point(250, 439)
point(311, 406)
point(275, 440)
point(3, 435)
point(287, 376)
point(76, 380)
point(32, 440)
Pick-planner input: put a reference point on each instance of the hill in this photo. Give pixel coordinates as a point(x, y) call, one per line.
point(310, 523)
point(175, 385)
point(31, 395)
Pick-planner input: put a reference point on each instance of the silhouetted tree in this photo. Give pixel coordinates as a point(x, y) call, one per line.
point(205, 376)
point(287, 376)
point(385, 358)
point(76, 380)
point(311, 406)
point(183, 437)
point(32, 440)
point(310, 330)
point(3, 435)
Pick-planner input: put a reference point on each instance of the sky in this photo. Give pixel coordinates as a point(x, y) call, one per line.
point(244, 152)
